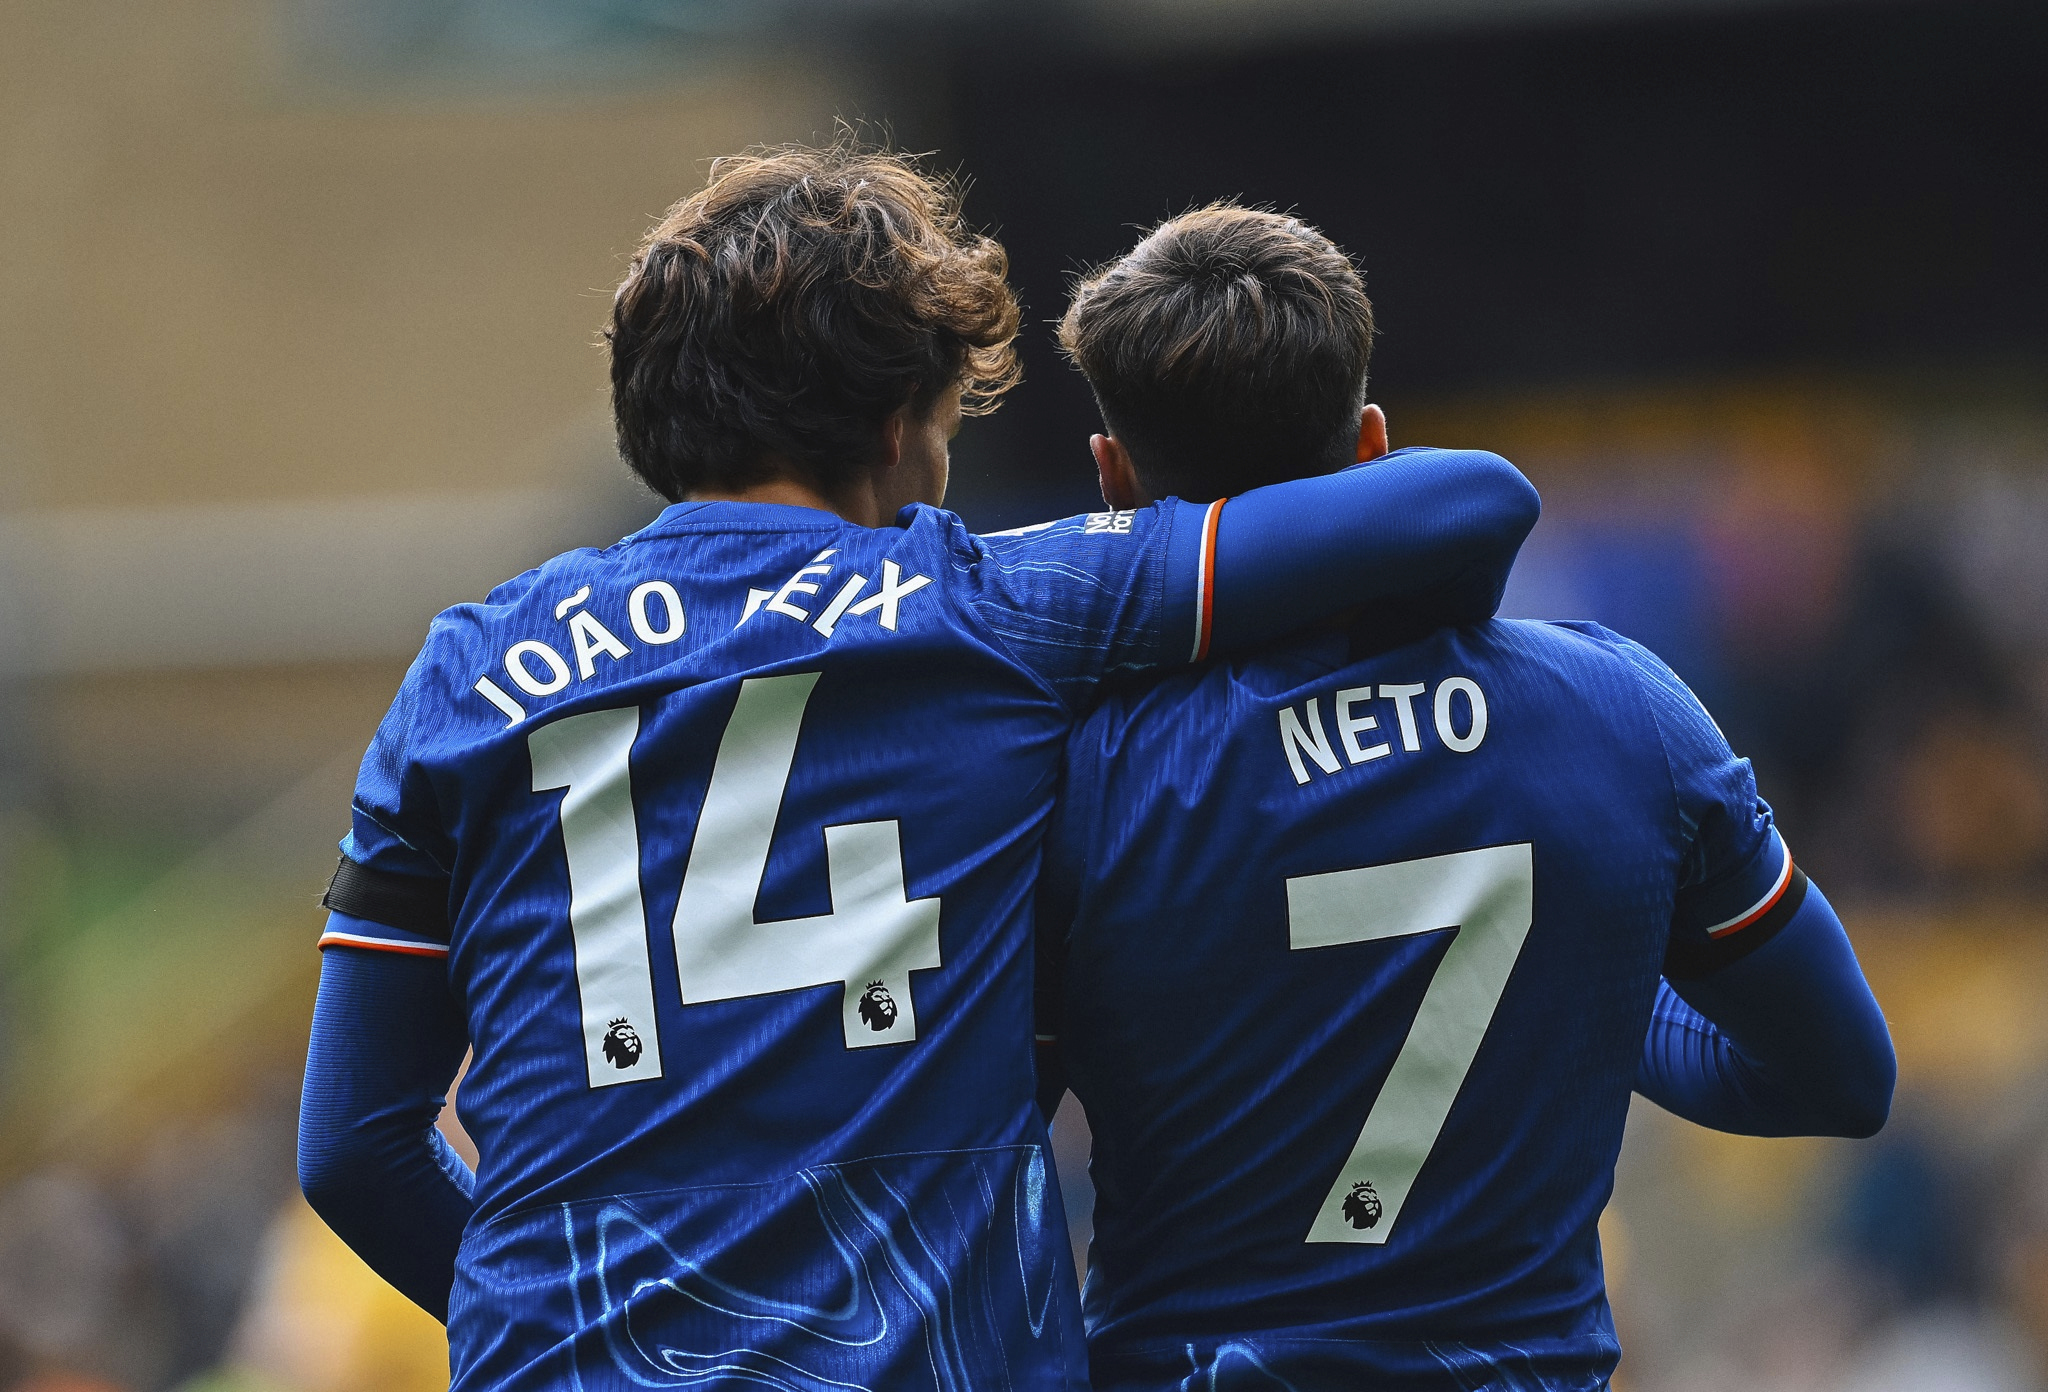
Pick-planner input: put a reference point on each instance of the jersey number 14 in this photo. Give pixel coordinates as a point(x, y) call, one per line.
point(869, 944)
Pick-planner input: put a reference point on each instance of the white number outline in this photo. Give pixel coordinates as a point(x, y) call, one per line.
point(869, 943)
point(1487, 896)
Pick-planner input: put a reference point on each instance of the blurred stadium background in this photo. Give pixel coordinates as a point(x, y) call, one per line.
point(298, 310)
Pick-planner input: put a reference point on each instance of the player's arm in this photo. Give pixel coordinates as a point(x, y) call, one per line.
point(388, 1039)
point(1418, 523)
point(389, 1032)
point(1430, 531)
point(1786, 1040)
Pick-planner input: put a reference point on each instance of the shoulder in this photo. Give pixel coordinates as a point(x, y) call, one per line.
point(1581, 638)
point(464, 654)
point(1665, 691)
point(472, 624)
point(1140, 714)
point(925, 525)
point(1595, 658)
point(1596, 638)
point(1422, 453)
point(1125, 528)
point(1584, 652)
point(928, 536)
point(1696, 754)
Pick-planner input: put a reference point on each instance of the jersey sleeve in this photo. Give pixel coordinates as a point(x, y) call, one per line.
point(1083, 598)
point(1165, 585)
point(390, 891)
point(1738, 885)
point(1419, 535)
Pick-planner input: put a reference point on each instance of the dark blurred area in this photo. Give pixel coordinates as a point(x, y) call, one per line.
point(297, 310)
point(1742, 191)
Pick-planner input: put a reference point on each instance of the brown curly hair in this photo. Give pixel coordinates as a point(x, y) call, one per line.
point(771, 321)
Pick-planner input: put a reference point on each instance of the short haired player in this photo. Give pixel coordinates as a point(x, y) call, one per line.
point(1353, 945)
point(717, 845)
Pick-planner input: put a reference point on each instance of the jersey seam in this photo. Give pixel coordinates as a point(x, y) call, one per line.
point(370, 815)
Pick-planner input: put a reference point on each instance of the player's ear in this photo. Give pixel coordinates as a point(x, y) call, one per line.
point(890, 454)
point(1119, 478)
point(1372, 434)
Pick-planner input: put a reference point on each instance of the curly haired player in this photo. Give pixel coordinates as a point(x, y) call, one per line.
point(729, 785)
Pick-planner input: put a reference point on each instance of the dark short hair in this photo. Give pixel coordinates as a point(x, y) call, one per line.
point(1228, 349)
point(771, 321)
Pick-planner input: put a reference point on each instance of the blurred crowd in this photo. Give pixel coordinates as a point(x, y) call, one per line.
point(1858, 591)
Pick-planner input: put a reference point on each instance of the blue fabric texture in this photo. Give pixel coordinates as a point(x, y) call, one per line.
point(1789, 1041)
point(1265, 879)
point(387, 1040)
point(897, 699)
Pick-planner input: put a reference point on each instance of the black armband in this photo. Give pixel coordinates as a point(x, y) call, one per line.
point(1691, 959)
point(415, 903)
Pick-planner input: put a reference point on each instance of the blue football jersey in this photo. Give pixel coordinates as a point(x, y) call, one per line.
point(1351, 952)
point(729, 834)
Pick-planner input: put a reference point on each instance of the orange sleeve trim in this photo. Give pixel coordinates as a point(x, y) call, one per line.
point(1205, 582)
point(401, 946)
point(1760, 908)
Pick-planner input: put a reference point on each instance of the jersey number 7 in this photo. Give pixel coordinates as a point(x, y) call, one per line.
point(872, 940)
point(1488, 897)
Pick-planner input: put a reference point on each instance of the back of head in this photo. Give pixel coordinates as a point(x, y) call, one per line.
point(772, 321)
point(1228, 349)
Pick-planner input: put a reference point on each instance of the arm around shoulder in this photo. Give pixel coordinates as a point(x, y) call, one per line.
point(1401, 528)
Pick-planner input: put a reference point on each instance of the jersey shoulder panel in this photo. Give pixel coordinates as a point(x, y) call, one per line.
point(1086, 598)
point(1737, 882)
point(458, 691)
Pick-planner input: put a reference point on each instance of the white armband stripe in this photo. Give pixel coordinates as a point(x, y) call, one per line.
point(1761, 906)
point(1205, 582)
point(405, 946)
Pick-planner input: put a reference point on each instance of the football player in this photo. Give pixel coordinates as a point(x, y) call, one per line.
point(717, 846)
point(1353, 945)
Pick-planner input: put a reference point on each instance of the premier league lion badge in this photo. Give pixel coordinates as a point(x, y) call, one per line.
point(1362, 1205)
point(622, 1044)
point(877, 1007)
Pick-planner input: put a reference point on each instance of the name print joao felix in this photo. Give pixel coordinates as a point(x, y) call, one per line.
point(655, 611)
